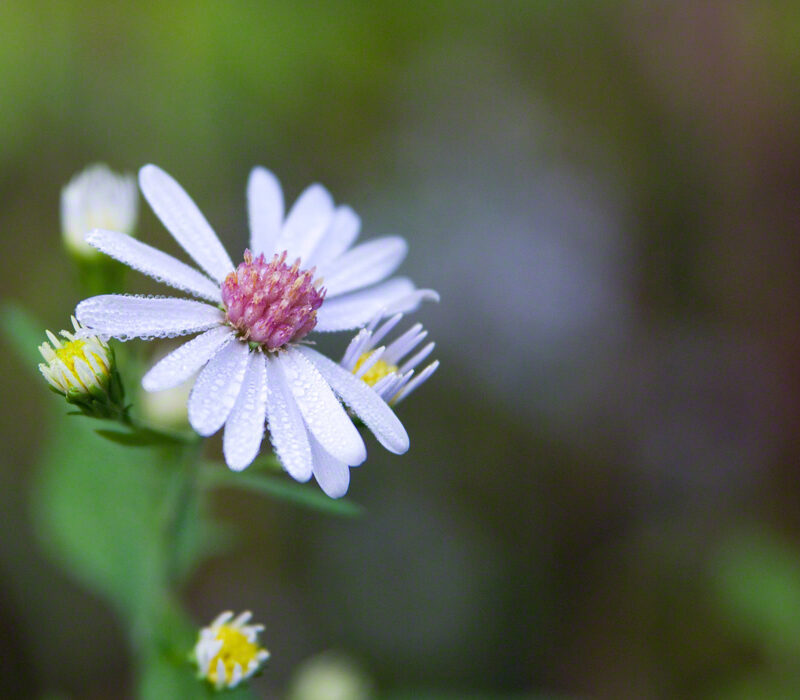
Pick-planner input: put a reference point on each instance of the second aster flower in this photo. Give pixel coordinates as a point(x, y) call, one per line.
point(252, 368)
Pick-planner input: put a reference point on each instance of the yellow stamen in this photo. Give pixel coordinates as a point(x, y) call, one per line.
point(375, 373)
point(236, 649)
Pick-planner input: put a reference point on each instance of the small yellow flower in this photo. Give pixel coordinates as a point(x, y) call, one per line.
point(386, 368)
point(227, 651)
point(76, 366)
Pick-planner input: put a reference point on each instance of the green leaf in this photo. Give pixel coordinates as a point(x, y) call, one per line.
point(279, 488)
point(96, 512)
point(23, 333)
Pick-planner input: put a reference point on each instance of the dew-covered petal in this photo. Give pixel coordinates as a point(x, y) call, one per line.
point(265, 210)
point(154, 263)
point(405, 343)
point(217, 388)
point(323, 414)
point(183, 362)
point(123, 316)
point(305, 224)
point(184, 221)
point(287, 430)
point(244, 429)
point(358, 308)
point(411, 302)
point(363, 401)
point(332, 475)
point(361, 343)
point(340, 235)
point(365, 264)
point(416, 382)
point(413, 361)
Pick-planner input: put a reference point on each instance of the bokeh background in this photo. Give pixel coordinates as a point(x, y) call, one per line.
point(602, 495)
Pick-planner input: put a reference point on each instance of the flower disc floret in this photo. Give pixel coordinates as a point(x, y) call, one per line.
point(271, 303)
point(377, 371)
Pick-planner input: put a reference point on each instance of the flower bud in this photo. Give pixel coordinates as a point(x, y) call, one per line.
point(97, 197)
point(82, 369)
point(227, 651)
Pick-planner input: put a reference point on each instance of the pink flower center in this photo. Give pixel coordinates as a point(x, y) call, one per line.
point(271, 303)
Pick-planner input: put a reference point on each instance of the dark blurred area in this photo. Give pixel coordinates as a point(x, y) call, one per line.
point(601, 497)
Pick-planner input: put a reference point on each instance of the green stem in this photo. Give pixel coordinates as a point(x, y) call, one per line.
point(180, 505)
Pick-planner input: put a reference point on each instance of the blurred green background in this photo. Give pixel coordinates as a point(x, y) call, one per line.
point(602, 495)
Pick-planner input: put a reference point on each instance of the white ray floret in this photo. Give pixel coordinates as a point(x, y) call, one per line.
point(153, 263)
point(184, 221)
point(251, 369)
point(265, 210)
point(124, 317)
point(244, 429)
point(364, 265)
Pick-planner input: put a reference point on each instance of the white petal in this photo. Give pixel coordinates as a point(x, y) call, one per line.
point(265, 209)
point(306, 223)
point(363, 401)
point(183, 362)
point(236, 676)
point(417, 381)
point(287, 430)
point(123, 316)
point(363, 265)
point(222, 618)
point(154, 263)
point(242, 618)
point(332, 475)
point(357, 308)
point(405, 344)
point(385, 329)
point(412, 362)
point(244, 429)
point(369, 362)
point(388, 386)
point(184, 221)
point(360, 344)
point(411, 302)
point(341, 234)
point(323, 414)
point(217, 387)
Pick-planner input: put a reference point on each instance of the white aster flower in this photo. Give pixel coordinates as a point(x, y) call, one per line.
point(97, 197)
point(227, 651)
point(383, 368)
point(253, 369)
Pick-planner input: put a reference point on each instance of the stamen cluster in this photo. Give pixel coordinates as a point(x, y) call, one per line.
point(271, 303)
